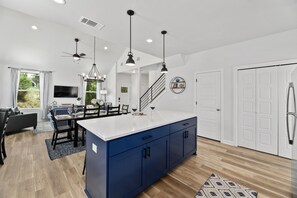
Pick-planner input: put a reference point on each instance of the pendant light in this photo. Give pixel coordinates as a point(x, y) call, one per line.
point(130, 61)
point(94, 74)
point(164, 70)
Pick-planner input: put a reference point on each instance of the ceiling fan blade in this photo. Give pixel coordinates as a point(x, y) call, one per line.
point(67, 53)
point(82, 54)
point(84, 57)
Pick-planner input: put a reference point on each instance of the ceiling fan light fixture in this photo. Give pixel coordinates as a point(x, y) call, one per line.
point(62, 2)
point(130, 61)
point(76, 57)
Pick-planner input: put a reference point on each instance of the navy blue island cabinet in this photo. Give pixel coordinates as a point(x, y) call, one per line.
point(124, 167)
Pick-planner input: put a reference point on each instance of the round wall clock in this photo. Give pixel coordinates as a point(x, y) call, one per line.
point(177, 85)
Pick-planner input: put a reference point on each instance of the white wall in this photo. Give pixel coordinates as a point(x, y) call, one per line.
point(22, 47)
point(141, 60)
point(111, 85)
point(275, 47)
point(144, 83)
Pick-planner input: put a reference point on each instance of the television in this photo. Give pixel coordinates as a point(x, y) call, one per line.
point(65, 92)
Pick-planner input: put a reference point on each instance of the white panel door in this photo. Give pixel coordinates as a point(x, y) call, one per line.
point(246, 108)
point(266, 110)
point(209, 104)
point(284, 78)
point(124, 97)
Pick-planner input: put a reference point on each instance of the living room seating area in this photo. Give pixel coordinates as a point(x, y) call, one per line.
point(18, 120)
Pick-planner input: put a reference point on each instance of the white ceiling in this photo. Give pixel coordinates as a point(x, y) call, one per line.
point(192, 25)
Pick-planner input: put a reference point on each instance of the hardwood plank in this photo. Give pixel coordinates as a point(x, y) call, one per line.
point(28, 171)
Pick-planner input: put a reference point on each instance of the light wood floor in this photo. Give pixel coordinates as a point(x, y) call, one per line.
point(28, 171)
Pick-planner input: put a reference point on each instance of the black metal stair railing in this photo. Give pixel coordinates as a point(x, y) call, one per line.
point(153, 92)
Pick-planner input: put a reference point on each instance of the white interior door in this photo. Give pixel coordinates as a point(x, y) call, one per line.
point(124, 94)
point(246, 108)
point(284, 78)
point(266, 110)
point(208, 99)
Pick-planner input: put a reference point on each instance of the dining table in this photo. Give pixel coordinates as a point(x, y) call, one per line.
point(79, 116)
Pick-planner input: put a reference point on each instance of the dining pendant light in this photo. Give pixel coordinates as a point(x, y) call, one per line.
point(94, 74)
point(164, 70)
point(130, 61)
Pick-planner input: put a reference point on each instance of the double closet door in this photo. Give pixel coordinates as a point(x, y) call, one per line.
point(258, 109)
point(262, 100)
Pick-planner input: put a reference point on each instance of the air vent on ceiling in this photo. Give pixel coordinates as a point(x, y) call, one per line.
point(92, 23)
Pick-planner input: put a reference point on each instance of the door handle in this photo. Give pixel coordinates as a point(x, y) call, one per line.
point(147, 137)
point(144, 153)
point(294, 114)
point(149, 151)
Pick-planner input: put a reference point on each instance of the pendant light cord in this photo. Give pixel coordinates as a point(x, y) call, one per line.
point(163, 48)
point(130, 33)
point(94, 49)
point(76, 47)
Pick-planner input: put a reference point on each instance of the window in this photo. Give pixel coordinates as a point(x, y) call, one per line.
point(91, 92)
point(29, 91)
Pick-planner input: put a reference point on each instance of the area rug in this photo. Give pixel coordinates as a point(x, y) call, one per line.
point(62, 150)
point(218, 187)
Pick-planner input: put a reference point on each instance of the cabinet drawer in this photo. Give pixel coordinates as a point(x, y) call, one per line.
point(182, 124)
point(122, 144)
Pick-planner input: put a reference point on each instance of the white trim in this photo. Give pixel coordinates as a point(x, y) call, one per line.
point(235, 88)
point(222, 99)
point(231, 143)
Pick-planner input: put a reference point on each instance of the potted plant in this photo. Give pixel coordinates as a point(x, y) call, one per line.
point(78, 100)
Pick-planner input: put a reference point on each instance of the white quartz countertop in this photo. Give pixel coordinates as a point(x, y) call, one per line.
point(109, 128)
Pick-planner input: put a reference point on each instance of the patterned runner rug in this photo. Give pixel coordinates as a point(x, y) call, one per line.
point(218, 187)
point(62, 150)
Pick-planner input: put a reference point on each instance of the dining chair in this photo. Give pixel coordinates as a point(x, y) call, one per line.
point(125, 109)
point(93, 111)
point(113, 110)
point(85, 161)
point(60, 130)
point(3, 122)
point(90, 112)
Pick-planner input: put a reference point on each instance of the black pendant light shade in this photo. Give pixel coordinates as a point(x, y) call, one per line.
point(164, 70)
point(130, 61)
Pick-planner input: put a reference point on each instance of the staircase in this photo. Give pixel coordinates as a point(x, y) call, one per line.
point(152, 93)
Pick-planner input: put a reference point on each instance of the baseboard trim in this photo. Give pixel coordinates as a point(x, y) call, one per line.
point(228, 142)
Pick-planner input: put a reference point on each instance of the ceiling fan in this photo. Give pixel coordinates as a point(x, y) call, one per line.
point(75, 56)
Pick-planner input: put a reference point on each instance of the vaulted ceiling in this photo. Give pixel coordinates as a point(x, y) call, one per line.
point(192, 25)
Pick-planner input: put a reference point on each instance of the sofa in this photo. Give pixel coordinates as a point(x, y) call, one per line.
point(18, 121)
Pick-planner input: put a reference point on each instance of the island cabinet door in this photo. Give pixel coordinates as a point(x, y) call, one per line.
point(190, 142)
point(176, 148)
point(126, 174)
point(157, 163)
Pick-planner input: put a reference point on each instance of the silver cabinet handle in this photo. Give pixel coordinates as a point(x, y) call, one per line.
point(291, 88)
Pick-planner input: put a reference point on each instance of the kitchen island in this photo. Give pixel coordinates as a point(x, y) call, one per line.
point(126, 154)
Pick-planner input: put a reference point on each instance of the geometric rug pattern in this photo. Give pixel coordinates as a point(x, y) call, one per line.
point(63, 150)
point(218, 187)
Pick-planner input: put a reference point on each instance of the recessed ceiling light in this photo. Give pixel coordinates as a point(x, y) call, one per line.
point(149, 40)
point(34, 27)
point(105, 48)
point(60, 1)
